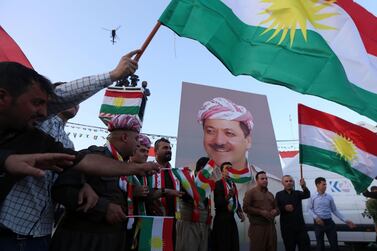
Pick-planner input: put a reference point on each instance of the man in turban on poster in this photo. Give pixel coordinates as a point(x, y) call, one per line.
point(227, 137)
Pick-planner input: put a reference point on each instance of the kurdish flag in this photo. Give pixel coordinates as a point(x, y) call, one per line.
point(333, 144)
point(156, 234)
point(317, 47)
point(203, 180)
point(119, 100)
point(187, 181)
point(240, 176)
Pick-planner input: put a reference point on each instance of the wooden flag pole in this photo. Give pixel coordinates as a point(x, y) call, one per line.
point(301, 172)
point(147, 41)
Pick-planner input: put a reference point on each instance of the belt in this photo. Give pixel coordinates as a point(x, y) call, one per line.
point(10, 234)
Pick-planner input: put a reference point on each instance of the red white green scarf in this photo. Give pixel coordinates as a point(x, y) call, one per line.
point(158, 182)
point(233, 201)
point(126, 181)
point(240, 175)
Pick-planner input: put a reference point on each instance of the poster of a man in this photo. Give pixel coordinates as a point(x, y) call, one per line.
point(227, 131)
point(229, 126)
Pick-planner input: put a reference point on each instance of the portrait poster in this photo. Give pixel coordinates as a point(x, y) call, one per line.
point(261, 155)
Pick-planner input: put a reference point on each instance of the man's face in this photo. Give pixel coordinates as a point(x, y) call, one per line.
point(321, 187)
point(141, 154)
point(262, 180)
point(224, 141)
point(163, 152)
point(225, 171)
point(25, 110)
point(287, 182)
point(132, 141)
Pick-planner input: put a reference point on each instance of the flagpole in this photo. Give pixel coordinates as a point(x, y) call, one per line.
point(299, 139)
point(148, 40)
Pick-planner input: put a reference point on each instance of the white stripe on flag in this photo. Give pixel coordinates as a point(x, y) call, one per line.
point(156, 237)
point(125, 102)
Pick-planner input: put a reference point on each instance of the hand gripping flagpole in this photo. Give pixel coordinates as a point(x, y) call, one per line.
point(147, 41)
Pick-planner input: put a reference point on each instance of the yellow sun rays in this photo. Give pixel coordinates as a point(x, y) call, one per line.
point(285, 15)
point(344, 147)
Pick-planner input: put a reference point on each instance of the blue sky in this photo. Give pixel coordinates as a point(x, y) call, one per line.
point(64, 40)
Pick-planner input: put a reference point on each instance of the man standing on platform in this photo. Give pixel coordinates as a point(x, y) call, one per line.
point(292, 224)
point(320, 206)
point(260, 206)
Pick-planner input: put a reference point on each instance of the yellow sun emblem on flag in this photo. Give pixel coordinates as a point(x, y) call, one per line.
point(118, 101)
point(157, 243)
point(285, 15)
point(344, 147)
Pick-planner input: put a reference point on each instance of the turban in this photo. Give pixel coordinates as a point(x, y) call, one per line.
point(124, 122)
point(144, 141)
point(221, 108)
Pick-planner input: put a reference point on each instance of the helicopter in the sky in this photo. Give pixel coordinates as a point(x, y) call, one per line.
point(113, 34)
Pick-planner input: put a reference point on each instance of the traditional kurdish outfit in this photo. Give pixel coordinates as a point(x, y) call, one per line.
point(194, 224)
point(162, 180)
point(90, 231)
point(224, 231)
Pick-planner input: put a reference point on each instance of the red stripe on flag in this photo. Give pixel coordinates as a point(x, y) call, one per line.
point(123, 94)
point(365, 22)
point(190, 179)
point(10, 51)
point(288, 154)
point(167, 234)
point(236, 171)
point(203, 179)
point(363, 138)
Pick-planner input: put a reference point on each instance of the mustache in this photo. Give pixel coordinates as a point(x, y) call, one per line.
point(218, 147)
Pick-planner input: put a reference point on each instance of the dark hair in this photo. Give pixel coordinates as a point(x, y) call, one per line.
point(201, 163)
point(223, 164)
point(157, 142)
point(259, 173)
point(16, 79)
point(319, 180)
point(373, 188)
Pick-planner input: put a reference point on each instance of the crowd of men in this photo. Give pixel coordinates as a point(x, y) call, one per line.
point(102, 187)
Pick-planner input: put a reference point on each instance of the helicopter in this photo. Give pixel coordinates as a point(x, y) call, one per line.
point(113, 34)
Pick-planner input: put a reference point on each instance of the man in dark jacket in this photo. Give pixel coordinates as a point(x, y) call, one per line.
point(292, 223)
point(104, 226)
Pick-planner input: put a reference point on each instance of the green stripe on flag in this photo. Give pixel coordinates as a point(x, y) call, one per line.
point(331, 161)
point(241, 179)
point(308, 67)
point(146, 234)
point(133, 110)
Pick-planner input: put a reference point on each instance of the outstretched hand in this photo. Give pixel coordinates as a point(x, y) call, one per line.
point(126, 66)
point(34, 164)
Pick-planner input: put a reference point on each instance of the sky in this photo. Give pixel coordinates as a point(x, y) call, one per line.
point(66, 40)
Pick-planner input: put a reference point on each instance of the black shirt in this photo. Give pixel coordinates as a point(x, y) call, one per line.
point(65, 191)
point(295, 218)
point(26, 142)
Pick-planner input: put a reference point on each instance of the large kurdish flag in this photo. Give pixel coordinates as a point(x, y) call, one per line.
point(315, 47)
point(118, 100)
point(333, 144)
point(156, 234)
